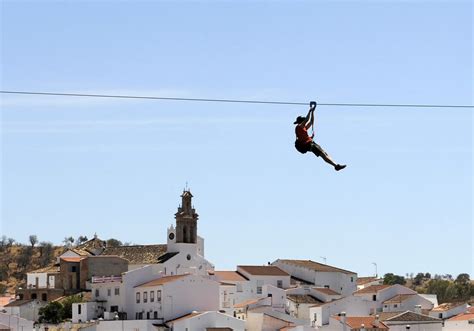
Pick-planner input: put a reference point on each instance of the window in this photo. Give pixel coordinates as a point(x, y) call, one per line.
point(440, 315)
point(280, 283)
point(155, 315)
point(352, 279)
point(374, 297)
point(147, 315)
point(145, 297)
point(114, 309)
point(97, 293)
point(79, 308)
point(158, 296)
point(44, 297)
point(152, 296)
point(326, 286)
point(34, 296)
point(259, 290)
point(117, 291)
point(138, 297)
point(385, 306)
point(73, 268)
point(109, 292)
point(395, 305)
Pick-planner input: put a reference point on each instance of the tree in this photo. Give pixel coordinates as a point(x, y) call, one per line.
point(391, 279)
point(3, 289)
point(444, 290)
point(80, 240)
point(68, 241)
point(33, 240)
point(113, 243)
point(419, 278)
point(3, 272)
point(463, 286)
point(46, 253)
point(51, 313)
point(428, 275)
point(24, 257)
point(10, 242)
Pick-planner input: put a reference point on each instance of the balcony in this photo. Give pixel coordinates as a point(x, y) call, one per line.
point(106, 279)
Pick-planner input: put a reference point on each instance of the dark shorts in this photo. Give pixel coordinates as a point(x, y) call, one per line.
point(311, 146)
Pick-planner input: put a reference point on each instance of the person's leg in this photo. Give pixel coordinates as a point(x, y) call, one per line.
point(319, 151)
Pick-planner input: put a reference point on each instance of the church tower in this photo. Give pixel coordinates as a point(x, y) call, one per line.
point(186, 220)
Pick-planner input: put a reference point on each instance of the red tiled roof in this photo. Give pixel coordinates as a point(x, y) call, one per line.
point(466, 316)
point(72, 259)
point(246, 303)
point(355, 322)
point(267, 270)
point(448, 306)
point(161, 280)
point(17, 303)
point(372, 289)
point(365, 280)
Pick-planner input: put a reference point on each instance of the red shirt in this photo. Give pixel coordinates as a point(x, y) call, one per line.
point(302, 134)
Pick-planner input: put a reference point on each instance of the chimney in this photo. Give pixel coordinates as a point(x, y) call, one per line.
point(418, 309)
point(343, 320)
point(377, 320)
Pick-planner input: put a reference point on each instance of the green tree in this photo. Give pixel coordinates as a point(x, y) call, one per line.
point(445, 290)
point(51, 313)
point(391, 279)
point(418, 278)
point(3, 272)
point(463, 286)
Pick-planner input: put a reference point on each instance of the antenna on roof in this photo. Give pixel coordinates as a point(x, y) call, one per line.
point(324, 259)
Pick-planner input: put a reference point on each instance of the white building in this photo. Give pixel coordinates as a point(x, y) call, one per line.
point(447, 310)
point(460, 322)
point(416, 321)
point(404, 302)
point(15, 323)
point(363, 282)
point(267, 319)
point(355, 323)
point(170, 297)
point(377, 294)
point(210, 320)
point(27, 309)
point(320, 275)
point(320, 314)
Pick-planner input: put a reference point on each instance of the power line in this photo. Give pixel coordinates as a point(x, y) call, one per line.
point(232, 100)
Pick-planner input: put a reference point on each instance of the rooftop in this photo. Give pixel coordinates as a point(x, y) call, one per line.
point(399, 298)
point(410, 316)
point(228, 276)
point(316, 266)
point(448, 306)
point(138, 254)
point(372, 289)
point(49, 269)
point(355, 322)
point(466, 316)
point(267, 270)
point(303, 298)
point(184, 317)
point(326, 291)
point(365, 280)
point(161, 281)
point(17, 303)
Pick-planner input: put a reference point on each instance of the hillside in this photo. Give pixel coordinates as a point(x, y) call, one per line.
point(17, 259)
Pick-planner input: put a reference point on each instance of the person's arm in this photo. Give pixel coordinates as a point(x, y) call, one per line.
point(310, 118)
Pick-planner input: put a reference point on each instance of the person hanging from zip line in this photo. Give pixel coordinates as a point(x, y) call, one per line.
point(304, 143)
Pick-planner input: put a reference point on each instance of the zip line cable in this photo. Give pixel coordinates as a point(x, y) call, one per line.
point(232, 100)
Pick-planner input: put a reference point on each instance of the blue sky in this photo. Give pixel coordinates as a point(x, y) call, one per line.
point(76, 166)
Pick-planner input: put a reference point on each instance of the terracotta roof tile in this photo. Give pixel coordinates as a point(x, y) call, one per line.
point(467, 316)
point(267, 270)
point(355, 322)
point(246, 303)
point(73, 259)
point(162, 280)
point(372, 289)
point(365, 280)
point(49, 269)
point(316, 266)
point(448, 306)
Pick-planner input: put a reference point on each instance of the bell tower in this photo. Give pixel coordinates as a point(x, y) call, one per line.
point(186, 220)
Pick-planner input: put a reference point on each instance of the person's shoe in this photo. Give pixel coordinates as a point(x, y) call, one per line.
point(339, 167)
